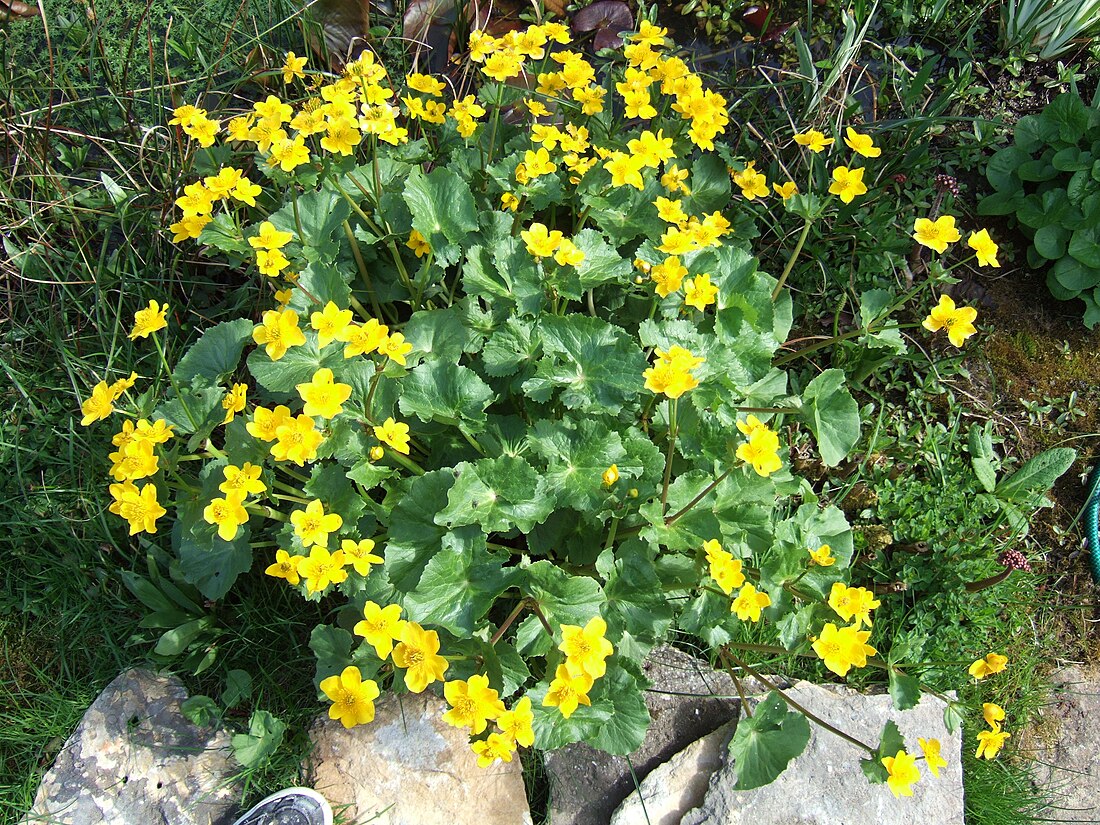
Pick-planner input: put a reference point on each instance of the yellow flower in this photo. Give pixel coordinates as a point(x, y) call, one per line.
point(395, 348)
point(289, 154)
point(352, 698)
point(568, 254)
point(844, 648)
point(673, 180)
point(329, 323)
point(473, 703)
point(852, 602)
point(516, 724)
point(753, 184)
point(272, 110)
point(418, 244)
point(234, 401)
point(990, 743)
point(228, 513)
point(985, 248)
point(540, 242)
point(861, 144)
point(959, 322)
point(749, 603)
point(265, 423)
point(292, 67)
point(724, 568)
point(322, 396)
point(585, 648)
point(341, 137)
point(568, 691)
point(668, 275)
point(495, 746)
point(425, 84)
point(509, 201)
point(222, 184)
point(158, 432)
point(671, 374)
point(993, 714)
point(903, 772)
point(322, 568)
point(134, 461)
point(699, 292)
point(246, 191)
point(241, 482)
point(381, 627)
point(99, 405)
point(149, 320)
point(625, 170)
point(313, 525)
point(395, 434)
point(189, 226)
point(652, 149)
point(610, 476)
point(785, 190)
point(987, 666)
point(761, 451)
point(822, 556)
point(285, 567)
point(847, 183)
point(538, 163)
point(270, 238)
point(813, 140)
point(931, 750)
point(417, 654)
point(358, 554)
point(937, 234)
point(297, 440)
point(140, 508)
point(271, 263)
point(362, 339)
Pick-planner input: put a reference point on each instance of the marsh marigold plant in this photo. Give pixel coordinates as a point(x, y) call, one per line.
point(512, 408)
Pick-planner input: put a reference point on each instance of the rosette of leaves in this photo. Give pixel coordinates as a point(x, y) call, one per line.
point(524, 385)
point(1048, 183)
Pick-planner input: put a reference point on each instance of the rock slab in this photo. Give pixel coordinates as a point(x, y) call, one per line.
point(1065, 765)
point(677, 786)
point(409, 767)
point(825, 786)
point(134, 759)
point(687, 700)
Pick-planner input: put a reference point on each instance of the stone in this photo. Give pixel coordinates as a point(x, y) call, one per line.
point(1064, 746)
point(825, 786)
point(134, 759)
point(409, 767)
point(678, 785)
point(687, 700)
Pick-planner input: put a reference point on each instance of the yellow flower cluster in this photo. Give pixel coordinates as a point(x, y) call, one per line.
point(586, 651)
point(728, 573)
point(991, 741)
point(844, 648)
point(761, 451)
point(671, 374)
point(901, 768)
point(134, 459)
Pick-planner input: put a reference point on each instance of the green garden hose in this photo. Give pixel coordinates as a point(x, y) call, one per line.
point(1092, 521)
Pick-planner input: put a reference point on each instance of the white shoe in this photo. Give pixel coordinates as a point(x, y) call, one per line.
point(294, 806)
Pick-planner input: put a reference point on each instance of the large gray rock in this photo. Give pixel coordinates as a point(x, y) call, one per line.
point(409, 767)
point(687, 701)
point(134, 759)
point(825, 786)
point(1065, 747)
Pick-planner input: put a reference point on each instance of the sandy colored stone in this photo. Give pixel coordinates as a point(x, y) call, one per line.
point(408, 767)
point(825, 786)
point(1065, 751)
point(678, 785)
point(134, 759)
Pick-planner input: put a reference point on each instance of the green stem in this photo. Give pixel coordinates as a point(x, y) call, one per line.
point(172, 381)
point(519, 608)
point(792, 259)
point(672, 404)
point(361, 265)
point(813, 717)
point(687, 507)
